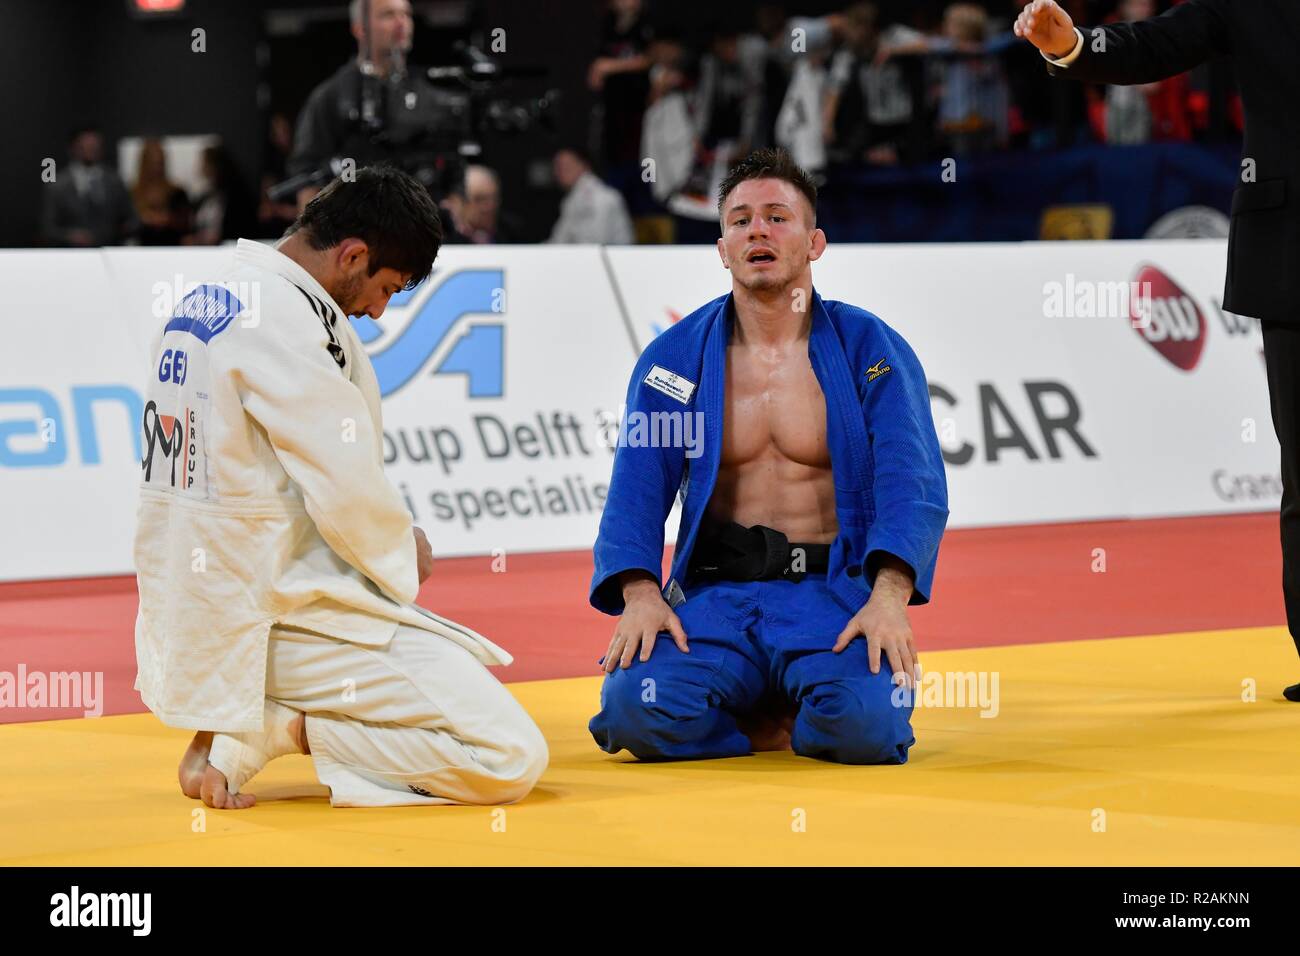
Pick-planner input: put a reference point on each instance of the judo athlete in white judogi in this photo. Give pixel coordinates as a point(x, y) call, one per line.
point(277, 566)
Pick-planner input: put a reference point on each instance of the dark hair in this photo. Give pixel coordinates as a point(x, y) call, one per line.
point(384, 207)
point(577, 149)
point(769, 164)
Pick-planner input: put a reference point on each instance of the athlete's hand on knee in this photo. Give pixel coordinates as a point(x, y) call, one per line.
point(645, 616)
point(883, 622)
point(423, 555)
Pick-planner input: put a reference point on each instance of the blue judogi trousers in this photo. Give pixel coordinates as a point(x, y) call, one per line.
point(749, 642)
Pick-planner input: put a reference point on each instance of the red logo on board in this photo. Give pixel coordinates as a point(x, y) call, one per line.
point(1169, 319)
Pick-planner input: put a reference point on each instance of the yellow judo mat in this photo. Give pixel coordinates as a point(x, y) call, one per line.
point(1166, 750)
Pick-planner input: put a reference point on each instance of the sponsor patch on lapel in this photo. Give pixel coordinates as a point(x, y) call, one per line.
point(877, 370)
point(670, 383)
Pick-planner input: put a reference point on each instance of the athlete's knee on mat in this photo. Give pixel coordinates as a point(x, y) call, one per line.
point(850, 722)
point(652, 715)
point(523, 761)
point(512, 765)
point(500, 773)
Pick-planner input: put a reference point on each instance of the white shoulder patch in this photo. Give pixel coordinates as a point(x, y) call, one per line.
point(670, 383)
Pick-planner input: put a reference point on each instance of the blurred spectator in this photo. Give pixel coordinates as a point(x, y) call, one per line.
point(620, 74)
point(725, 110)
point(668, 135)
point(161, 205)
point(225, 208)
point(789, 41)
point(761, 54)
point(370, 94)
point(728, 100)
point(1127, 116)
point(974, 102)
point(475, 209)
point(974, 105)
point(1043, 115)
point(868, 106)
point(1145, 112)
point(803, 48)
point(273, 218)
point(592, 212)
point(87, 204)
point(799, 124)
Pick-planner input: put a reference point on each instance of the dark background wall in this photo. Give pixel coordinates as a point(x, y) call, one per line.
point(42, 66)
point(68, 62)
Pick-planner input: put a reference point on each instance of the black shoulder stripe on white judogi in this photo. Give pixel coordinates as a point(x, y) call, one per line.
point(328, 318)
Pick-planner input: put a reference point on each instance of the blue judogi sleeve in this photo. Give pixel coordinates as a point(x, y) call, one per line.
point(910, 488)
point(641, 492)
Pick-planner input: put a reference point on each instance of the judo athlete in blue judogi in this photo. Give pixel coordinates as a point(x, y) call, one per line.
point(812, 511)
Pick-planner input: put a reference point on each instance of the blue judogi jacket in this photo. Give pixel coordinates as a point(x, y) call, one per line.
point(891, 494)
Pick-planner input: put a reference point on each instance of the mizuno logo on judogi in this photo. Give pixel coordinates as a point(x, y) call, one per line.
point(329, 318)
point(877, 370)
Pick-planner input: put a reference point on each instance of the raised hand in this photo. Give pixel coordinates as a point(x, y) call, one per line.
point(1044, 24)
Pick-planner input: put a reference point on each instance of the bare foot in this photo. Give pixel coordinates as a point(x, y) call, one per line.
point(767, 731)
point(201, 781)
point(215, 795)
point(194, 763)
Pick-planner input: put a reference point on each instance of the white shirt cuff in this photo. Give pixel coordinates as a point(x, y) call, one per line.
point(1072, 55)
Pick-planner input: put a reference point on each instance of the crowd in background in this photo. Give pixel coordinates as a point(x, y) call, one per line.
point(871, 85)
point(92, 206)
point(852, 88)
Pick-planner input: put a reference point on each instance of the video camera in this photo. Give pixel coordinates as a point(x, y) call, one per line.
point(434, 143)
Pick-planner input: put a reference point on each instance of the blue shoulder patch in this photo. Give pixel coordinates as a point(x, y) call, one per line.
point(205, 312)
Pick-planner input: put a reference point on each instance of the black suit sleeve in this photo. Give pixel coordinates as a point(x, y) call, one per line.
point(1155, 49)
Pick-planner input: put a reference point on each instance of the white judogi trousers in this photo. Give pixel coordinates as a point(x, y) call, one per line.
point(418, 721)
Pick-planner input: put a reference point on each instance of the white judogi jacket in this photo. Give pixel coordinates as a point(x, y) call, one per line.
point(263, 497)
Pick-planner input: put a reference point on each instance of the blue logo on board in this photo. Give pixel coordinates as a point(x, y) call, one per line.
point(436, 321)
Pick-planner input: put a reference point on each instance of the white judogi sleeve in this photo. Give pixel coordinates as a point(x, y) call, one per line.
point(327, 443)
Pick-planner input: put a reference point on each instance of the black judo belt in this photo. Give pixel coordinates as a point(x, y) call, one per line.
point(732, 552)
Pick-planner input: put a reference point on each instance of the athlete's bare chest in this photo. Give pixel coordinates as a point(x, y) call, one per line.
point(773, 405)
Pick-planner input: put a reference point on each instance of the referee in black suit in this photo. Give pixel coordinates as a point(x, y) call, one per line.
point(1263, 278)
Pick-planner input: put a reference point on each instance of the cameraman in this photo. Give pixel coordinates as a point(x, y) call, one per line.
point(372, 109)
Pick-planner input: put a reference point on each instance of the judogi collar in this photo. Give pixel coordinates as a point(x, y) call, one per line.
point(273, 260)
